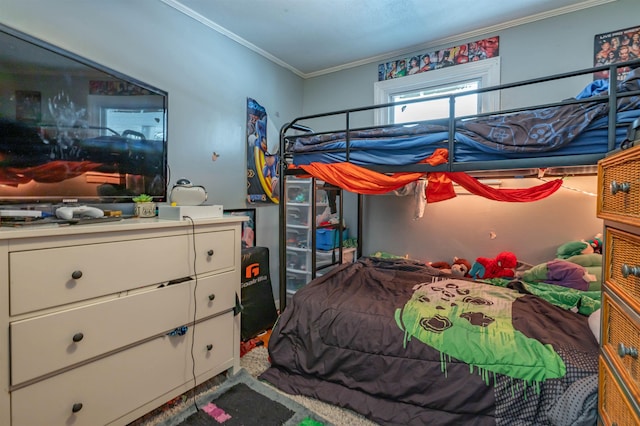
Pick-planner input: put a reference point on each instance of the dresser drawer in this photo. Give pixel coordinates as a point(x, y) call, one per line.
point(215, 251)
point(622, 265)
point(44, 344)
point(619, 187)
point(613, 407)
point(46, 278)
point(116, 385)
point(620, 341)
point(214, 344)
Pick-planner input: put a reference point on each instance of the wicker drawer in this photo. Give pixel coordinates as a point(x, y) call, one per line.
point(622, 265)
point(619, 187)
point(621, 342)
point(614, 408)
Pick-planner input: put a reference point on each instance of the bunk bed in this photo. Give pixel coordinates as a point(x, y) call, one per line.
point(403, 343)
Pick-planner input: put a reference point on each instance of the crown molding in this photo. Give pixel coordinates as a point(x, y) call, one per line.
point(177, 5)
point(209, 23)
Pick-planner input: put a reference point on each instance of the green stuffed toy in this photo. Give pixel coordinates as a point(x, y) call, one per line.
point(573, 248)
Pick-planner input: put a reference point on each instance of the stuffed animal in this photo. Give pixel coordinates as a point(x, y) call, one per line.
point(460, 267)
point(574, 248)
point(596, 243)
point(443, 266)
point(503, 266)
point(561, 272)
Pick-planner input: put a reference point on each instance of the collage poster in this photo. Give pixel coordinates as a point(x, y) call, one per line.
point(615, 47)
point(262, 166)
point(470, 52)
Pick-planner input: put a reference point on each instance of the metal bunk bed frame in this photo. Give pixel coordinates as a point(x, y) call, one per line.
point(451, 166)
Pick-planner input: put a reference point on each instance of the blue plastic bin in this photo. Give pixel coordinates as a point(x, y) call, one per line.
point(329, 238)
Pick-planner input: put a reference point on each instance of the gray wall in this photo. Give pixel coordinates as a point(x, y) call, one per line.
point(462, 227)
point(208, 78)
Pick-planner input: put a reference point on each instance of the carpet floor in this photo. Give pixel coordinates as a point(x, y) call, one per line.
point(255, 362)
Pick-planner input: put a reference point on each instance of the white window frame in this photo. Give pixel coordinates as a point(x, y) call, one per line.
point(486, 70)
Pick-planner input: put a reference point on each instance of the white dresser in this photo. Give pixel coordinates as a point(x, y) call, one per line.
point(103, 323)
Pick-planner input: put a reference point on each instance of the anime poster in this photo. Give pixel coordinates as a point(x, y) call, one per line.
point(470, 52)
point(262, 165)
point(614, 47)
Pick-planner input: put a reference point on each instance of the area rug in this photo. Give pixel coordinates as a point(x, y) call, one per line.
point(244, 401)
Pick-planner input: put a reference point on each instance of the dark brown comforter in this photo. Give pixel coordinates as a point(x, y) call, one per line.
point(355, 338)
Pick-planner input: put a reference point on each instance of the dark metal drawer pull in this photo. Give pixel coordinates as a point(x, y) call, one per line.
point(212, 296)
point(210, 252)
point(624, 351)
point(76, 275)
point(630, 270)
point(78, 337)
point(76, 407)
point(209, 346)
point(620, 187)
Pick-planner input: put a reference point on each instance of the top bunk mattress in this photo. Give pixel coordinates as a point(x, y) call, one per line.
point(562, 130)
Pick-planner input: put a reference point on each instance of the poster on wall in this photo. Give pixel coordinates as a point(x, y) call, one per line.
point(262, 165)
point(248, 227)
point(615, 47)
point(28, 106)
point(475, 51)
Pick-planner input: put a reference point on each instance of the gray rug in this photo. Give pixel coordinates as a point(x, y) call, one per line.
point(243, 400)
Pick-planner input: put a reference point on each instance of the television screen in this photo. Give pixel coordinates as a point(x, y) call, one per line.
point(74, 131)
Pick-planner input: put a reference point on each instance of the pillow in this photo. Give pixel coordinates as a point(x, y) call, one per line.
point(594, 324)
point(590, 259)
point(560, 272)
point(593, 264)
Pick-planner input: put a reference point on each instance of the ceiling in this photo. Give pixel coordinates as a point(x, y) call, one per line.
point(314, 37)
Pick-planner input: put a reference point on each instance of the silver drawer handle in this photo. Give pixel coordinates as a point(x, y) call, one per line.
point(630, 270)
point(624, 351)
point(620, 187)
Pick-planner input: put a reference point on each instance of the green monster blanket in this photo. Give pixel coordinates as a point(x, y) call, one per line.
point(472, 322)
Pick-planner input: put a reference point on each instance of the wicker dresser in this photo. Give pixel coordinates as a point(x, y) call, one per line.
point(619, 206)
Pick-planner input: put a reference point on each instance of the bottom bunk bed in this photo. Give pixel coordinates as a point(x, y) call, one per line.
point(402, 343)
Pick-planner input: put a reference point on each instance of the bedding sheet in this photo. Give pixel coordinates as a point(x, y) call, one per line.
point(560, 130)
point(398, 342)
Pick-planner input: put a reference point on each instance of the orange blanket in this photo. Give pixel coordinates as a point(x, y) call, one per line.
point(440, 187)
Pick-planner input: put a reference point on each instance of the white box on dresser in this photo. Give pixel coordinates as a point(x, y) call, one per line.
point(90, 313)
point(619, 205)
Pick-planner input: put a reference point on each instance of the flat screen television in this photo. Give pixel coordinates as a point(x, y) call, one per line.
point(73, 131)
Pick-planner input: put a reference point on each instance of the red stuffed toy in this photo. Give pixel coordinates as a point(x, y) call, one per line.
point(503, 266)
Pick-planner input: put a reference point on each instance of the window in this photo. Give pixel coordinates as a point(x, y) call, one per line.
point(144, 123)
point(469, 76)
